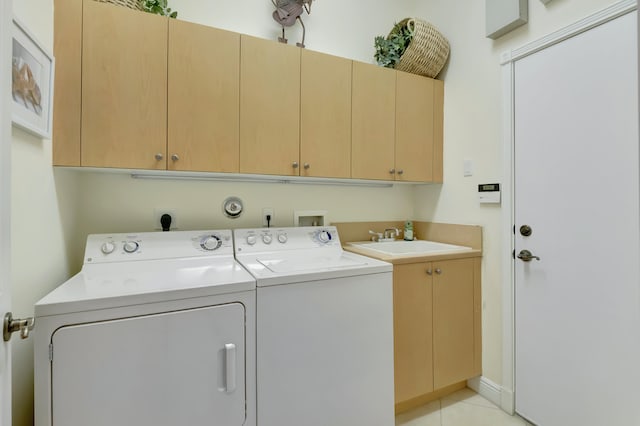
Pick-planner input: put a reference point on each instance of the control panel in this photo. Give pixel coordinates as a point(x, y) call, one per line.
point(281, 239)
point(157, 245)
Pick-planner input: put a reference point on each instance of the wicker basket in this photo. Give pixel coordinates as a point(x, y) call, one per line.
point(428, 50)
point(131, 4)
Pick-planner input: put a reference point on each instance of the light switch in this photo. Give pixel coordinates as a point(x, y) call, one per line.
point(468, 167)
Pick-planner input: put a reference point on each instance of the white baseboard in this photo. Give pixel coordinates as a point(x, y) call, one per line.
point(495, 393)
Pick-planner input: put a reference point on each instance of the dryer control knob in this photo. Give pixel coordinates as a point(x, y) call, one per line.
point(251, 239)
point(131, 246)
point(267, 238)
point(324, 236)
point(210, 242)
point(282, 238)
point(108, 247)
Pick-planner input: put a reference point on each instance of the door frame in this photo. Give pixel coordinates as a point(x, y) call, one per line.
point(6, 17)
point(507, 61)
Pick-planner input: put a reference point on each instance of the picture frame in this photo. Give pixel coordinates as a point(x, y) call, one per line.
point(32, 68)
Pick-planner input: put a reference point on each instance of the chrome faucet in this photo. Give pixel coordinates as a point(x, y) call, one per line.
point(388, 235)
point(391, 233)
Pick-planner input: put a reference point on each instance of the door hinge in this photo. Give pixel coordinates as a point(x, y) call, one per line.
point(50, 352)
point(513, 254)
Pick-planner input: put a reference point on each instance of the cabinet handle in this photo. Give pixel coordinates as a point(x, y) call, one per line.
point(175, 157)
point(392, 171)
point(294, 164)
point(159, 156)
point(400, 171)
point(429, 271)
point(438, 271)
point(307, 165)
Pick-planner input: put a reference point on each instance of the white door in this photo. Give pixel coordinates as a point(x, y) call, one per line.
point(5, 192)
point(577, 308)
point(176, 368)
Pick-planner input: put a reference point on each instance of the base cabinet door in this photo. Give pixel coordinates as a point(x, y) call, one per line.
point(453, 321)
point(437, 327)
point(412, 328)
point(124, 88)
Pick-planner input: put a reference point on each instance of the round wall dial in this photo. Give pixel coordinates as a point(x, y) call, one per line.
point(232, 207)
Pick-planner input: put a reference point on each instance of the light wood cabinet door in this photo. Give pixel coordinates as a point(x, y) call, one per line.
point(412, 328)
point(203, 98)
point(373, 122)
point(325, 115)
point(67, 104)
point(269, 107)
point(414, 127)
point(438, 130)
point(124, 88)
point(453, 321)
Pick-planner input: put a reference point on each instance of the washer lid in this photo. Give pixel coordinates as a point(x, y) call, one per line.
point(310, 265)
point(112, 285)
point(295, 263)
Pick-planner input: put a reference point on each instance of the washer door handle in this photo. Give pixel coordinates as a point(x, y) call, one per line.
point(230, 365)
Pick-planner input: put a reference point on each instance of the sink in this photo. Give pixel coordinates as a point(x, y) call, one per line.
point(415, 248)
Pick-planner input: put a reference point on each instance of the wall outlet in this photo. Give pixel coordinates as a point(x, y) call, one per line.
point(267, 211)
point(157, 214)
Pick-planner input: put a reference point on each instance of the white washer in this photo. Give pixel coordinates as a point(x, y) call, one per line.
point(324, 329)
point(158, 329)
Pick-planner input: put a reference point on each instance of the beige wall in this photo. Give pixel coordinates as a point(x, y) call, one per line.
point(473, 130)
point(54, 210)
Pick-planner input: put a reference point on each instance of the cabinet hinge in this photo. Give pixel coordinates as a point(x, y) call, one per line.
point(50, 352)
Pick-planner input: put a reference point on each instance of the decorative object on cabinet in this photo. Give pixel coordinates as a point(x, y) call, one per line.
point(414, 46)
point(159, 7)
point(31, 83)
point(286, 14)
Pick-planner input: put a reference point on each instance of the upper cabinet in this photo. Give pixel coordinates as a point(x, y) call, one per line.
point(140, 91)
point(325, 115)
point(269, 107)
point(373, 122)
point(415, 135)
point(124, 80)
point(204, 98)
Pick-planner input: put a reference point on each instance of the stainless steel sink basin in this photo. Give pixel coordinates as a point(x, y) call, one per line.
point(415, 248)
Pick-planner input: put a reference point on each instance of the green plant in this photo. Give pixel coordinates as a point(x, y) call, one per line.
point(389, 50)
point(159, 7)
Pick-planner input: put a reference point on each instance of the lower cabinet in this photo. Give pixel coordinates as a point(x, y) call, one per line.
point(437, 329)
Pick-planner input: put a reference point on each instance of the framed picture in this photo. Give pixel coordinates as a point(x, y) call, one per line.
point(32, 83)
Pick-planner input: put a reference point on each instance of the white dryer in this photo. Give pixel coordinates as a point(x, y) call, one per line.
point(158, 329)
point(324, 329)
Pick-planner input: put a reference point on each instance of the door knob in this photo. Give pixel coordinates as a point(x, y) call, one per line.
point(527, 256)
point(11, 325)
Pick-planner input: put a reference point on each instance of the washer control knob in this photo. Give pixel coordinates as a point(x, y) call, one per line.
point(324, 236)
point(251, 239)
point(108, 247)
point(210, 242)
point(267, 238)
point(282, 238)
point(131, 246)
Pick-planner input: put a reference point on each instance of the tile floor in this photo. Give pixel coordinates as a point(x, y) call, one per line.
point(462, 408)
